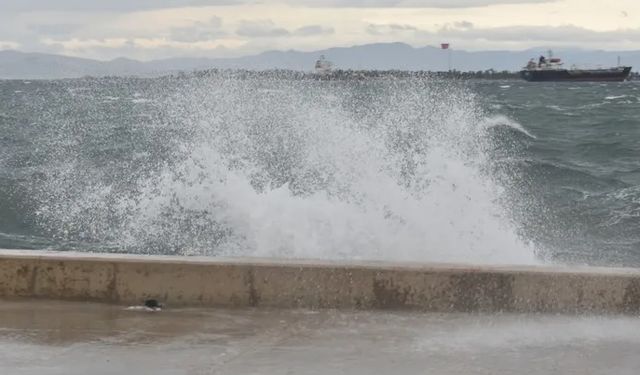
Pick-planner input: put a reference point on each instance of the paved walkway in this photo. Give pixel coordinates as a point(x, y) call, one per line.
point(40, 337)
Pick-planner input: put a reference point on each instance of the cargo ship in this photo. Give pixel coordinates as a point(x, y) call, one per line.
point(552, 69)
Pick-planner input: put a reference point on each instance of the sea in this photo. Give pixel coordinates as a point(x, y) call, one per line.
point(411, 169)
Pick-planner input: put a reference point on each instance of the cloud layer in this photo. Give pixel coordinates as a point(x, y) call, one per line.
point(150, 29)
point(129, 5)
point(109, 6)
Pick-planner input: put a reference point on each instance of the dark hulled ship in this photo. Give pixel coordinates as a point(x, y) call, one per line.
point(552, 69)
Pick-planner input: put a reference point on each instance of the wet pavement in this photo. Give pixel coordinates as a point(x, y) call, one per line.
point(43, 337)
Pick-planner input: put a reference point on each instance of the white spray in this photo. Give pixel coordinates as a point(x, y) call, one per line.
point(394, 170)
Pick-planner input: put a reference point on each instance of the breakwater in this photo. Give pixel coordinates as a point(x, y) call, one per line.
point(252, 282)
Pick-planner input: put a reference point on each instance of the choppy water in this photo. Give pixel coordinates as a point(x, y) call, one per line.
point(484, 172)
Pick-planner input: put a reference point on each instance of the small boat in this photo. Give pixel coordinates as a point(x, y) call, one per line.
point(551, 69)
point(323, 66)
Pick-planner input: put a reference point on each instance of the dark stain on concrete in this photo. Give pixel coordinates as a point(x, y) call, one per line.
point(22, 271)
point(112, 286)
point(250, 282)
point(470, 292)
point(631, 298)
point(388, 295)
point(31, 287)
point(487, 292)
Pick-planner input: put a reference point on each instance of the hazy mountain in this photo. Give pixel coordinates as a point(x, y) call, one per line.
point(14, 64)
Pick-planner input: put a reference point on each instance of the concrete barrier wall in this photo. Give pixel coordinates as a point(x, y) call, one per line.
point(181, 281)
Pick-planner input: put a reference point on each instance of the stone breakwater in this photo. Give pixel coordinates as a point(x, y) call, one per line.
point(248, 282)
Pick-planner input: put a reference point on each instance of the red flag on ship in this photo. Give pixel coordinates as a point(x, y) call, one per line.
point(444, 45)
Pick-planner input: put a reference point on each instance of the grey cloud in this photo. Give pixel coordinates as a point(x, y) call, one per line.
point(267, 29)
point(313, 30)
point(131, 50)
point(397, 27)
point(463, 25)
point(132, 5)
point(214, 22)
point(466, 31)
point(411, 3)
point(191, 35)
point(541, 34)
point(375, 29)
point(456, 27)
point(199, 31)
point(111, 5)
point(260, 29)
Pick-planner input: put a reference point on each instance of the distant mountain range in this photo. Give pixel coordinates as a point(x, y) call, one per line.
point(380, 56)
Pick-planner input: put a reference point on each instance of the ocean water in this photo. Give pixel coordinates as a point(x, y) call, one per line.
point(491, 172)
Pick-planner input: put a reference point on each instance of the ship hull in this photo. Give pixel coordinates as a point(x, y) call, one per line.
point(584, 75)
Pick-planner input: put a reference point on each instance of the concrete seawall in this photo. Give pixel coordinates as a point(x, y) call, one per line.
point(246, 282)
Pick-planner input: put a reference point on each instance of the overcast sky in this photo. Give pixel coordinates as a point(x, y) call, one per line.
point(150, 29)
